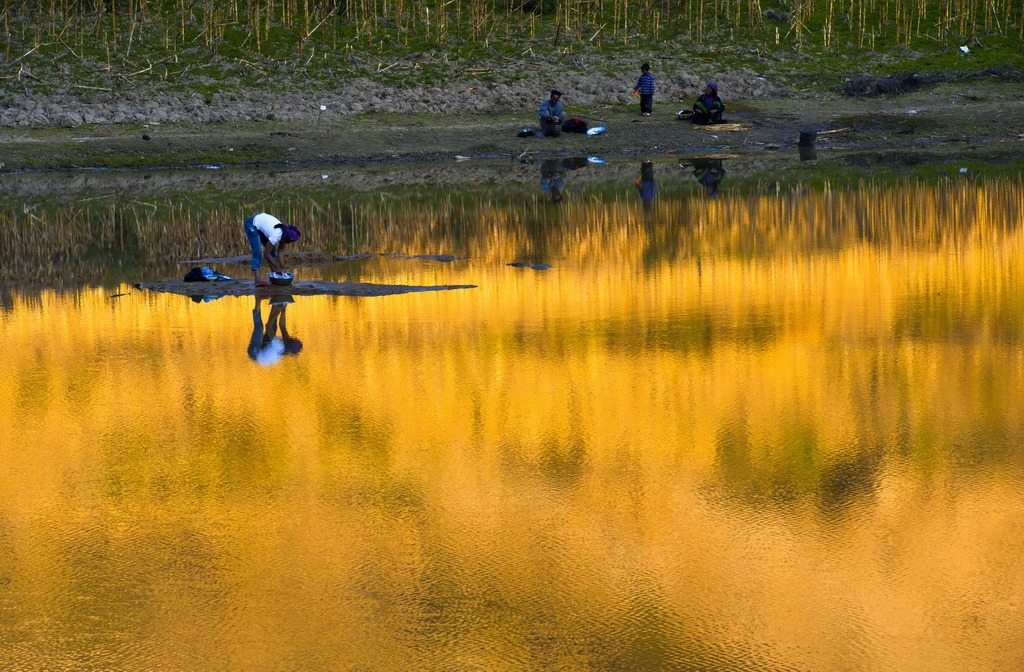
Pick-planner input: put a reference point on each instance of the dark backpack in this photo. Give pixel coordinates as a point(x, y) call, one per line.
point(574, 126)
point(195, 275)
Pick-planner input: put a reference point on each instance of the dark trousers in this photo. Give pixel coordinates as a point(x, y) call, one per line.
point(702, 115)
point(705, 118)
point(646, 103)
point(552, 129)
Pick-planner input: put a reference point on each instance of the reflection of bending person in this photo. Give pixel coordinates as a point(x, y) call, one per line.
point(266, 347)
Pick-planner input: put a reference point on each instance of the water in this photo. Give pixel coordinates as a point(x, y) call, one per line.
point(777, 429)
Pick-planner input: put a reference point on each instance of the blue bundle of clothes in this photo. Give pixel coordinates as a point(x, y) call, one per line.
point(204, 274)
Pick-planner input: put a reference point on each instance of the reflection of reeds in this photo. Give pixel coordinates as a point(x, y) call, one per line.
point(144, 241)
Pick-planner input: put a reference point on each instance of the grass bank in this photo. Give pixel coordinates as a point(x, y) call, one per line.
point(83, 47)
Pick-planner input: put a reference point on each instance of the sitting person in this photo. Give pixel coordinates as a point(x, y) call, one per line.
point(709, 107)
point(551, 115)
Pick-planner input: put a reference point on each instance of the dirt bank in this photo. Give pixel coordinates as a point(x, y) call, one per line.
point(355, 97)
point(932, 117)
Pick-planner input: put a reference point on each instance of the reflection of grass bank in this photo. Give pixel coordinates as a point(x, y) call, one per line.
point(747, 172)
point(125, 235)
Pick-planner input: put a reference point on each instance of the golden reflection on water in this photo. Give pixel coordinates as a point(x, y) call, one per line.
point(787, 437)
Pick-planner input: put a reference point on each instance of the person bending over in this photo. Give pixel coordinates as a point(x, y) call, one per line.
point(267, 239)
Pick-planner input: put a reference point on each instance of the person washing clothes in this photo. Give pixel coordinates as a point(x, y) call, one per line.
point(267, 239)
point(645, 90)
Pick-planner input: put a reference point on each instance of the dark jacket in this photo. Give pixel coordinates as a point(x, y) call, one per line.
point(710, 103)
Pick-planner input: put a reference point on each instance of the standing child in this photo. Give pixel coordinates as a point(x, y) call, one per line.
point(645, 89)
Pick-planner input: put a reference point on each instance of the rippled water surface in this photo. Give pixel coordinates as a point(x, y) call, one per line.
point(777, 429)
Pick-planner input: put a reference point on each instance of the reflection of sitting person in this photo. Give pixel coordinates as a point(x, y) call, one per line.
point(552, 179)
point(709, 172)
point(552, 174)
point(551, 114)
point(645, 183)
point(709, 107)
point(265, 346)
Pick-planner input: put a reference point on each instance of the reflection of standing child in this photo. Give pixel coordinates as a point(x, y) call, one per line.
point(645, 183)
point(645, 89)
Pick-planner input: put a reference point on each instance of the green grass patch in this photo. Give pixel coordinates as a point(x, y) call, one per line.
point(171, 45)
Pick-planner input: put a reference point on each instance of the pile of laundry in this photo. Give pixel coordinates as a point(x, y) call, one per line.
point(204, 274)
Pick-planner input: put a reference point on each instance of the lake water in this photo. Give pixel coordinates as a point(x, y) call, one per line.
point(768, 427)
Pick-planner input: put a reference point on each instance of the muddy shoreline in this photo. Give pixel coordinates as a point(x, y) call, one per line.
point(930, 118)
point(218, 289)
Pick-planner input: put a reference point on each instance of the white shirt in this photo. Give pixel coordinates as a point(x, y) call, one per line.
point(271, 353)
point(265, 224)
